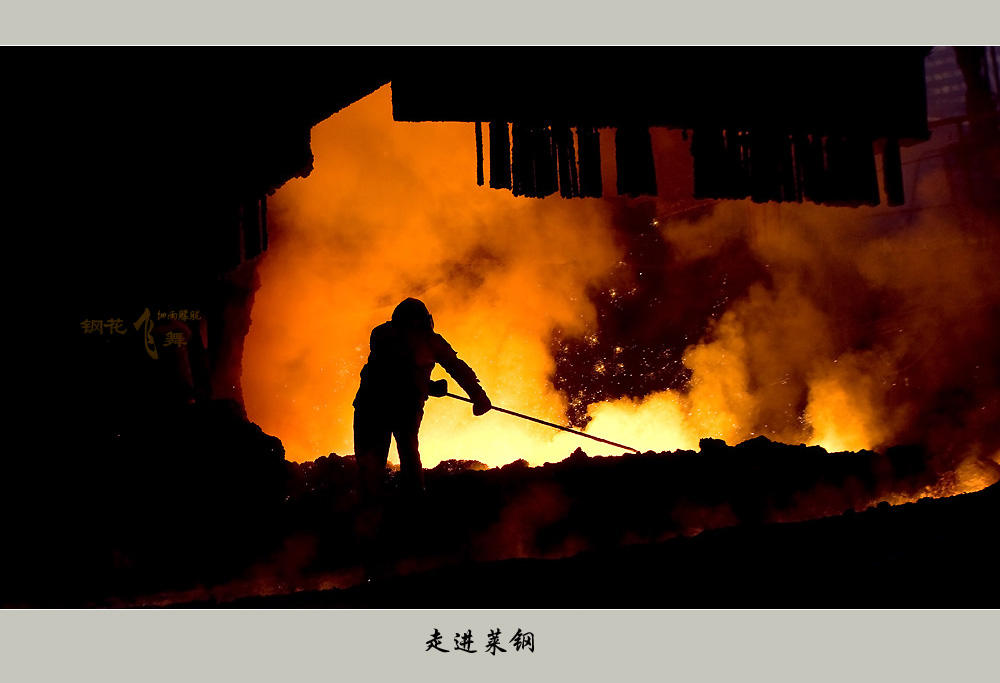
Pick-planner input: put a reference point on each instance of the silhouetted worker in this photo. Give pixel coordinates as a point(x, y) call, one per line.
point(395, 384)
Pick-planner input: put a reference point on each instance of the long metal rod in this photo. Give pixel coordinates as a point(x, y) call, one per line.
point(548, 424)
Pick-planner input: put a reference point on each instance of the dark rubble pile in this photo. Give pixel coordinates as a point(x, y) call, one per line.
point(624, 532)
point(471, 513)
point(212, 501)
point(188, 495)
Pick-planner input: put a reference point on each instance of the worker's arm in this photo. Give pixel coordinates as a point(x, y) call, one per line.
point(464, 375)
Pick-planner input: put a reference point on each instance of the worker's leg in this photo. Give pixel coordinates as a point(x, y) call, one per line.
point(372, 433)
point(406, 427)
point(408, 514)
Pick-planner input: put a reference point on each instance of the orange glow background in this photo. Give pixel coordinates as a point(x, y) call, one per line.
point(392, 210)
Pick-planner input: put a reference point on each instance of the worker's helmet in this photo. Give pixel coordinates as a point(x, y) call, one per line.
point(412, 313)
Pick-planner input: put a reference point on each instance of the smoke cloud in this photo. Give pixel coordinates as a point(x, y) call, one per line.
point(390, 211)
point(867, 331)
point(653, 323)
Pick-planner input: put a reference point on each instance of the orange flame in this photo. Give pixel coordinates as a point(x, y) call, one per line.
point(391, 211)
point(845, 345)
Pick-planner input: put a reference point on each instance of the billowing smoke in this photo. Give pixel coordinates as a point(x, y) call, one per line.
point(867, 330)
point(391, 211)
point(654, 324)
